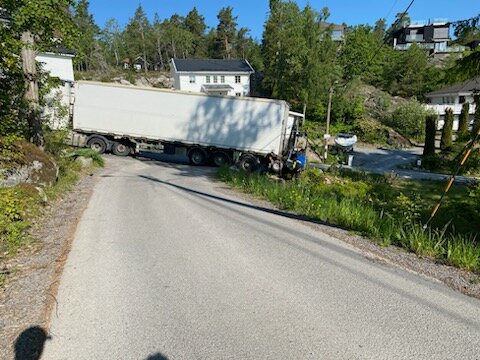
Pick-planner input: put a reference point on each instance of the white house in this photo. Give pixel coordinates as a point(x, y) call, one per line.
point(212, 76)
point(453, 97)
point(59, 64)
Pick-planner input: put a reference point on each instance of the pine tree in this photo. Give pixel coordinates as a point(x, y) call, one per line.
point(430, 132)
point(446, 140)
point(463, 122)
point(195, 24)
point(86, 45)
point(226, 32)
point(139, 37)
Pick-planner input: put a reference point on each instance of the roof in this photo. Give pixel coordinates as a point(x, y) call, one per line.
point(223, 65)
point(468, 86)
point(217, 87)
point(335, 27)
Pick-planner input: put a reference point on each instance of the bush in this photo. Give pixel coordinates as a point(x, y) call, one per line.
point(430, 132)
point(409, 120)
point(446, 141)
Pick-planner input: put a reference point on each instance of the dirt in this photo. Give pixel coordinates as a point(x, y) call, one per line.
point(28, 297)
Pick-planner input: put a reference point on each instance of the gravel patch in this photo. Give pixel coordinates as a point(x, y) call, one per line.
point(28, 298)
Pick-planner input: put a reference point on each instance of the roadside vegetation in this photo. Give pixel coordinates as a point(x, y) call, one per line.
point(24, 203)
point(388, 210)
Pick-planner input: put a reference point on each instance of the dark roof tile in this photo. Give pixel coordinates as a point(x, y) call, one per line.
point(463, 87)
point(212, 65)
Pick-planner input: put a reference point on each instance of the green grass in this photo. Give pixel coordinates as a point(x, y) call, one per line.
point(388, 210)
point(22, 204)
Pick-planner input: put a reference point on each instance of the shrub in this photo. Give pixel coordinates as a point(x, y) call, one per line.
point(409, 120)
point(430, 131)
point(476, 118)
point(463, 122)
point(446, 141)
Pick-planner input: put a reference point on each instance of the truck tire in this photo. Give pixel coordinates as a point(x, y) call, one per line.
point(248, 163)
point(121, 149)
point(221, 158)
point(197, 156)
point(98, 144)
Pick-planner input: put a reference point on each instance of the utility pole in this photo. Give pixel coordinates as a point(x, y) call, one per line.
point(327, 133)
point(31, 84)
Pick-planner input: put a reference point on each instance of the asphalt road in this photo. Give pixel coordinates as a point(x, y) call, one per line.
point(166, 265)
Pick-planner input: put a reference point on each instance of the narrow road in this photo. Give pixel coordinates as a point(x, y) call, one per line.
point(167, 265)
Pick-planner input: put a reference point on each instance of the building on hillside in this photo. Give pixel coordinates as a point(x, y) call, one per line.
point(59, 64)
point(338, 31)
point(433, 36)
point(212, 76)
point(453, 97)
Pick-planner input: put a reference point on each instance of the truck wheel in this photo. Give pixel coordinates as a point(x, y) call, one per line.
point(248, 163)
point(121, 149)
point(197, 157)
point(220, 158)
point(98, 144)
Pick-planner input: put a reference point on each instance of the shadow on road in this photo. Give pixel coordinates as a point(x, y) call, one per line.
point(234, 202)
point(157, 356)
point(29, 344)
point(345, 266)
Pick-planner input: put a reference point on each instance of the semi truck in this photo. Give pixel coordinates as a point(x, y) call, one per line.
point(250, 132)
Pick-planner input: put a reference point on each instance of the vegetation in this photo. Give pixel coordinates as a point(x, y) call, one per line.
point(463, 122)
point(22, 204)
point(409, 120)
point(430, 132)
point(446, 140)
point(386, 209)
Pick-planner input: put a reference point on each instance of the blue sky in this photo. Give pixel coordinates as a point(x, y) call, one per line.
point(252, 13)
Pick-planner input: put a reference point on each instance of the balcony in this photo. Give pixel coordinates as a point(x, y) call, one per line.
point(457, 108)
point(414, 38)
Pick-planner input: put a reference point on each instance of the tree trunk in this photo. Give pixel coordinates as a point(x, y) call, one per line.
point(159, 51)
point(31, 88)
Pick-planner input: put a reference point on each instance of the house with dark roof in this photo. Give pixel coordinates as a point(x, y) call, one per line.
point(433, 36)
point(454, 97)
point(212, 76)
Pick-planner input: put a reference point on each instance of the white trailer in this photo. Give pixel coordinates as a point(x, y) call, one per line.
point(118, 118)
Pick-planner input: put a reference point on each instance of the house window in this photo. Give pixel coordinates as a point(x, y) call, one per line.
point(215, 79)
point(238, 94)
point(237, 79)
point(222, 79)
point(207, 79)
point(192, 79)
point(461, 99)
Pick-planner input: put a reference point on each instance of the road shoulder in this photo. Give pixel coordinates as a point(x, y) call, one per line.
point(30, 295)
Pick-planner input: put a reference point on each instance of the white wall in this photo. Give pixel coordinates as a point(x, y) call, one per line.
point(182, 82)
point(438, 106)
point(58, 65)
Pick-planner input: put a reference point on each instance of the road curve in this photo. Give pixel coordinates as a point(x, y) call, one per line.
point(165, 265)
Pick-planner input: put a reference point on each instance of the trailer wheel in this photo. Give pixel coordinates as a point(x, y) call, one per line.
point(248, 163)
point(197, 156)
point(121, 149)
point(220, 158)
point(98, 144)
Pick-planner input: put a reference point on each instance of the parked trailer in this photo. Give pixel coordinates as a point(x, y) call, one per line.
point(219, 129)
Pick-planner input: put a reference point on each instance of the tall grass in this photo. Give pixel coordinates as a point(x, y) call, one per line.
point(368, 207)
